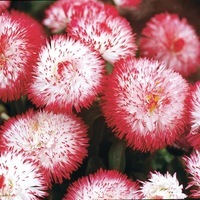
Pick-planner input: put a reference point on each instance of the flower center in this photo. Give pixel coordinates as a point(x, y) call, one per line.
point(178, 45)
point(2, 60)
point(7, 188)
point(40, 139)
point(65, 69)
point(152, 101)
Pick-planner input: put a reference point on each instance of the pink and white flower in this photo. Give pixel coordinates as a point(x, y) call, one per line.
point(104, 184)
point(20, 177)
point(57, 141)
point(20, 40)
point(160, 186)
point(4, 5)
point(194, 135)
point(103, 30)
point(68, 75)
point(145, 103)
point(173, 41)
point(192, 163)
point(59, 14)
point(131, 4)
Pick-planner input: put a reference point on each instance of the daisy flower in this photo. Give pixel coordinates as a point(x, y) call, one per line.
point(20, 37)
point(20, 177)
point(68, 75)
point(104, 184)
point(145, 103)
point(160, 186)
point(57, 141)
point(59, 14)
point(127, 3)
point(172, 40)
point(103, 30)
point(193, 168)
point(4, 5)
point(194, 135)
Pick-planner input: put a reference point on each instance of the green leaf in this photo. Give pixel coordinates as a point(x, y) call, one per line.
point(116, 155)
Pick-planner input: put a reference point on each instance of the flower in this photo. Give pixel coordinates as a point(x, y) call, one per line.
point(127, 3)
point(68, 75)
point(104, 184)
point(58, 15)
point(104, 30)
point(18, 51)
point(20, 177)
point(145, 103)
point(194, 136)
point(57, 141)
point(173, 41)
point(192, 163)
point(4, 5)
point(161, 186)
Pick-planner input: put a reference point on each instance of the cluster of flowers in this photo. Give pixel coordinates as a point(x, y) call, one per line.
point(146, 100)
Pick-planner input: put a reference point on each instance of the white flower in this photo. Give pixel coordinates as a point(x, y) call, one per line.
point(20, 177)
point(162, 187)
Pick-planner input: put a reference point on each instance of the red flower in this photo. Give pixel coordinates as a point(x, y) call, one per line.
point(68, 75)
point(104, 184)
point(194, 135)
point(172, 41)
point(59, 14)
point(104, 30)
point(4, 5)
point(20, 177)
point(145, 103)
point(192, 163)
point(20, 40)
point(58, 142)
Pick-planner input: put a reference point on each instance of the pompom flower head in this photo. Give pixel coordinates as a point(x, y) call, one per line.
point(20, 177)
point(20, 40)
point(162, 187)
point(59, 14)
point(68, 75)
point(103, 30)
point(145, 103)
point(57, 141)
point(192, 163)
point(194, 135)
point(4, 5)
point(104, 184)
point(172, 40)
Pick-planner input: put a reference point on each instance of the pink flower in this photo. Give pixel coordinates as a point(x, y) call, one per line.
point(145, 103)
point(20, 39)
point(127, 3)
point(173, 41)
point(192, 165)
point(57, 141)
point(59, 14)
point(4, 5)
point(103, 30)
point(20, 177)
point(68, 74)
point(104, 184)
point(160, 186)
point(194, 135)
